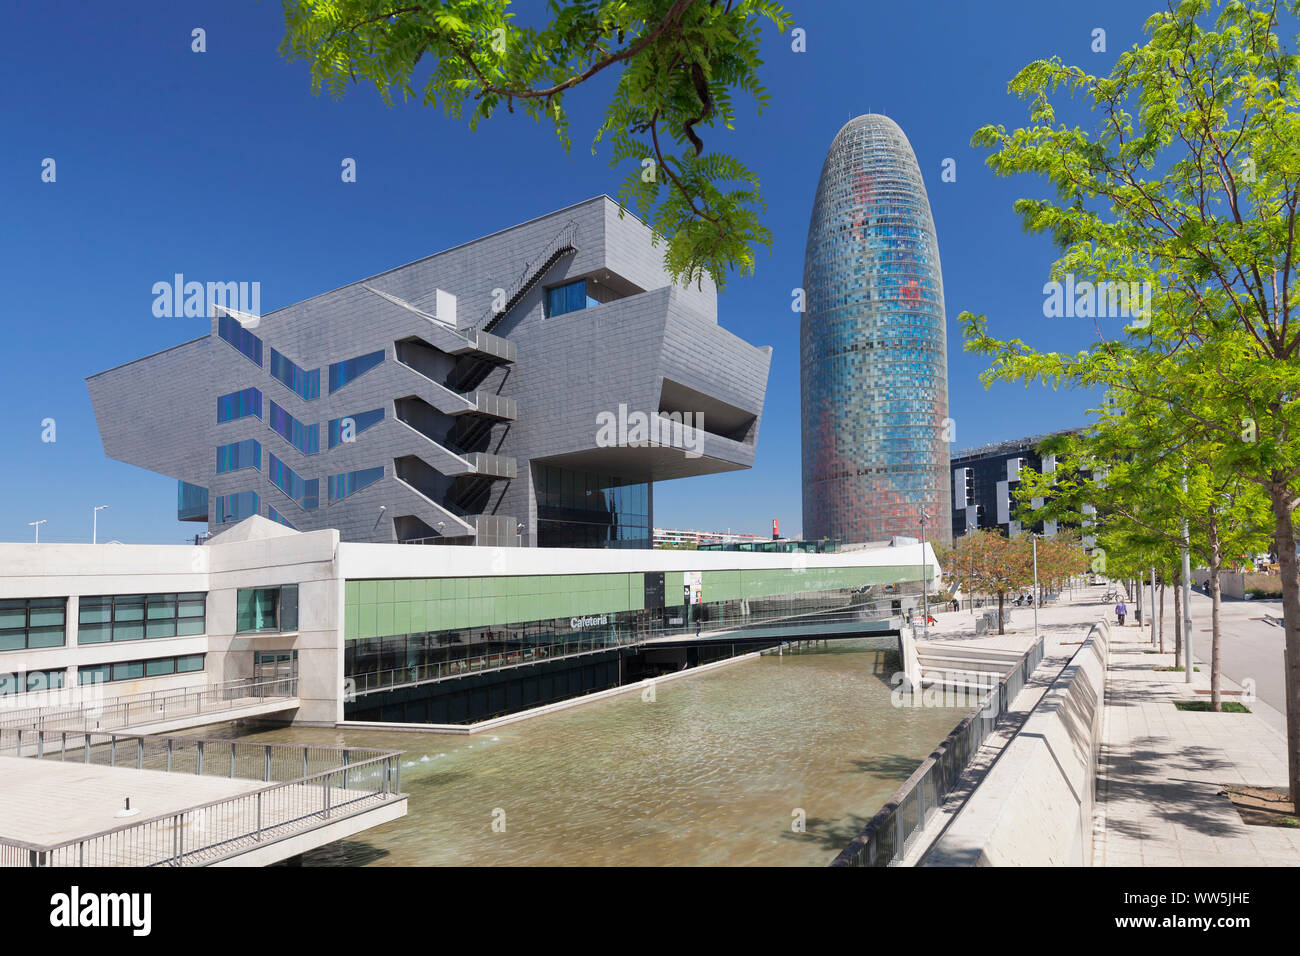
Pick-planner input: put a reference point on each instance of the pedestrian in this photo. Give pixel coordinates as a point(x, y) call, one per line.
point(1120, 611)
point(697, 627)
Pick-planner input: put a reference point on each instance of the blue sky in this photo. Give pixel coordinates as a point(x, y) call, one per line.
point(222, 165)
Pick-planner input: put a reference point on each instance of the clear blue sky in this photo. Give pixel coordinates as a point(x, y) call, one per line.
point(222, 165)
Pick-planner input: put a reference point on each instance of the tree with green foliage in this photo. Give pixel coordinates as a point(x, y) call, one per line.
point(988, 562)
point(679, 66)
point(1189, 181)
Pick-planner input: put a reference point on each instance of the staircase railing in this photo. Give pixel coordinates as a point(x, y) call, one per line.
point(565, 241)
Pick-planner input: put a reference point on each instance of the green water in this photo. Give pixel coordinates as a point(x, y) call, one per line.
point(712, 772)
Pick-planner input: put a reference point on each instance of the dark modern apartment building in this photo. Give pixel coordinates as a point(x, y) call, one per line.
point(526, 388)
point(984, 481)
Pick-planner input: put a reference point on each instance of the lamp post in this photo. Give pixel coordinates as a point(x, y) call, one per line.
point(94, 523)
point(37, 526)
point(925, 594)
point(1033, 538)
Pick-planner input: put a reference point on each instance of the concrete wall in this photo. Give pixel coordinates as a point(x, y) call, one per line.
point(1035, 806)
point(1235, 585)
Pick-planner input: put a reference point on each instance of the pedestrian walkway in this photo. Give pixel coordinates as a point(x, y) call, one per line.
point(1162, 770)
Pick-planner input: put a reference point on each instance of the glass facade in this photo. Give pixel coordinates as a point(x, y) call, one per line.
point(394, 627)
point(360, 422)
point(32, 622)
point(305, 383)
point(306, 492)
point(305, 438)
point(349, 483)
point(191, 502)
point(239, 405)
point(235, 507)
point(136, 617)
point(568, 298)
point(581, 509)
point(239, 338)
point(873, 346)
point(343, 372)
point(237, 455)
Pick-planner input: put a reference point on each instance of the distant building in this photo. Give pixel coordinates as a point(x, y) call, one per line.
point(674, 538)
point(984, 481)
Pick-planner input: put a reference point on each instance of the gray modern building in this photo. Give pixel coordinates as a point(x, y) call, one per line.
point(525, 388)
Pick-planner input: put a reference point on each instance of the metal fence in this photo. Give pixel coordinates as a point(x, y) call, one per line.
point(307, 786)
point(892, 832)
point(82, 708)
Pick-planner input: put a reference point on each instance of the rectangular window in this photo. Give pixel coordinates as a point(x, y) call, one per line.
point(134, 617)
point(305, 438)
point(345, 429)
point(27, 623)
point(239, 338)
point(343, 372)
point(306, 492)
point(266, 609)
point(349, 483)
point(305, 383)
point(191, 502)
point(240, 454)
point(236, 507)
point(134, 670)
point(570, 297)
point(239, 405)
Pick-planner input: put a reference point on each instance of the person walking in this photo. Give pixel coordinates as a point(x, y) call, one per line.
point(1120, 611)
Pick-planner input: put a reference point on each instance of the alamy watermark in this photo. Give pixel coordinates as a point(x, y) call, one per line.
point(637, 429)
point(181, 299)
point(1100, 300)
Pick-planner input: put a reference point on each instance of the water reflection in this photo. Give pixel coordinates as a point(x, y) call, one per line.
point(709, 773)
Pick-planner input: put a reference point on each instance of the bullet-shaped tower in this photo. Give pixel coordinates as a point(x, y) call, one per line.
point(873, 347)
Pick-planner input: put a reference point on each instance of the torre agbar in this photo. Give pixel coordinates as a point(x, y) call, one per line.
point(873, 351)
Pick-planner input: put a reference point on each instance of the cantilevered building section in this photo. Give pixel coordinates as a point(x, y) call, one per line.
point(524, 388)
point(873, 348)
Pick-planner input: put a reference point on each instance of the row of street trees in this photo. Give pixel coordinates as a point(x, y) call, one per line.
point(986, 562)
point(1188, 180)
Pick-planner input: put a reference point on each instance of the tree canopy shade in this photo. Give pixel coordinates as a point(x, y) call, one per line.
point(679, 65)
point(1189, 181)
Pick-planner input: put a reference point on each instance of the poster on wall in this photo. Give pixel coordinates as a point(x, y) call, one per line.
point(693, 587)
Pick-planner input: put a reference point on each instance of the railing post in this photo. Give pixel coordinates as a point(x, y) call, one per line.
point(199, 768)
point(325, 786)
point(257, 837)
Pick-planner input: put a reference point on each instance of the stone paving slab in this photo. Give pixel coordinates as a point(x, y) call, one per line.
point(1161, 770)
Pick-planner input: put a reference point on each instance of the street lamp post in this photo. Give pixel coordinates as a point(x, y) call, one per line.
point(1034, 539)
point(94, 523)
point(925, 595)
point(37, 526)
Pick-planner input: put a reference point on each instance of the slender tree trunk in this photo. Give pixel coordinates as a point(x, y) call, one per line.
point(1284, 530)
point(1178, 622)
point(1216, 560)
point(1162, 617)
point(1001, 597)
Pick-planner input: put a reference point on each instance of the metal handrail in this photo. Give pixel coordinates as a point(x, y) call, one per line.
point(525, 653)
point(149, 706)
point(163, 835)
point(892, 832)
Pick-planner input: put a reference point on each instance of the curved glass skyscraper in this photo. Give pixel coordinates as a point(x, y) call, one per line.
point(873, 348)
